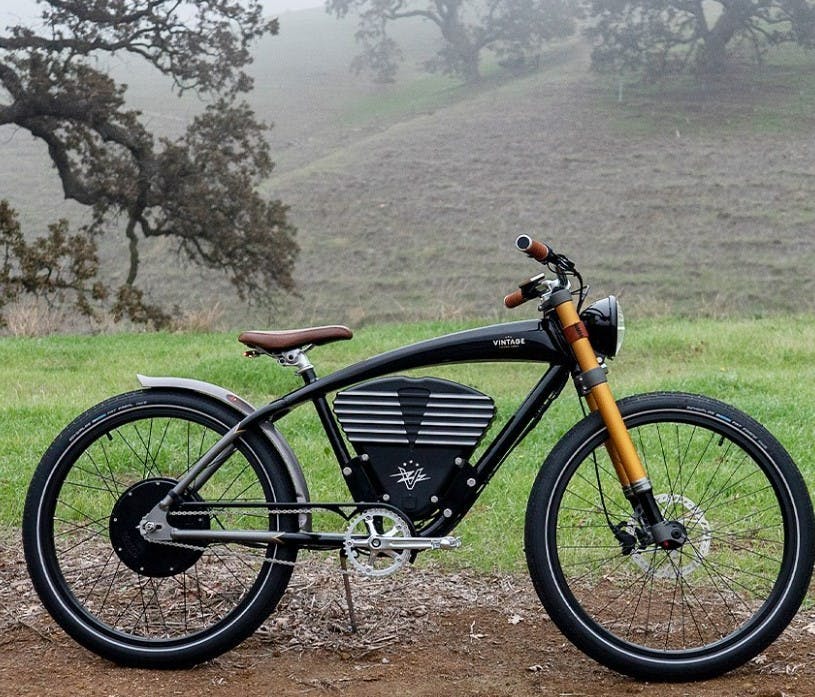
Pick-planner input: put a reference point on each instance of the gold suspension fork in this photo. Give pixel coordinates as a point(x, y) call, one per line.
point(613, 455)
point(630, 471)
point(623, 454)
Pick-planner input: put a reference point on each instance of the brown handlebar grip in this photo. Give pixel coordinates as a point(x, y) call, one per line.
point(537, 250)
point(514, 299)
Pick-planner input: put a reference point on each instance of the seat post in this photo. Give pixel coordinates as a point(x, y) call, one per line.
point(296, 358)
point(308, 374)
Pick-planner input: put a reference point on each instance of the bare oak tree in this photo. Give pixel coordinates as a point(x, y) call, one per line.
point(199, 190)
point(514, 29)
point(663, 36)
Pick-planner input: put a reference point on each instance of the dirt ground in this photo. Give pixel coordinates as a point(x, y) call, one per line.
point(422, 632)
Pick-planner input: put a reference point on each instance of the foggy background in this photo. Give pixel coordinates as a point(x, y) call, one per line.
point(408, 195)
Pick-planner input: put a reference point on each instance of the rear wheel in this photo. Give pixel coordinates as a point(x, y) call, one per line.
point(142, 603)
point(696, 611)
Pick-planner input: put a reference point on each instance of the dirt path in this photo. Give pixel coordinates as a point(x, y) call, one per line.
point(423, 632)
point(470, 652)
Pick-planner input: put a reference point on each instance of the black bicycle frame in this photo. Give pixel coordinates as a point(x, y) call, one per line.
point(537, 341)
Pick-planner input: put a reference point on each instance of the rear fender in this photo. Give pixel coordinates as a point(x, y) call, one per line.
point(276, 440)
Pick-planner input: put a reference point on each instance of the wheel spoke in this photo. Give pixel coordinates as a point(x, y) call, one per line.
point(142, 589)
point(705, 478)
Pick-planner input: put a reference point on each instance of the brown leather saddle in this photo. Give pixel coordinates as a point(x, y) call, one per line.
point(287, 339)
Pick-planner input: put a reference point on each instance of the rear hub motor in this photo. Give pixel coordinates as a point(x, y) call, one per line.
point(149, 558)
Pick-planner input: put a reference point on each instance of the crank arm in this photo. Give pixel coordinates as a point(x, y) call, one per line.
point(399, 544)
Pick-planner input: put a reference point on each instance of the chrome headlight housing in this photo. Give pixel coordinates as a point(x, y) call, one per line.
point(606, 325)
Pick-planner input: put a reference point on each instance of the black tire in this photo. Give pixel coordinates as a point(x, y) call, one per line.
point(138, 603)
point(705, 608)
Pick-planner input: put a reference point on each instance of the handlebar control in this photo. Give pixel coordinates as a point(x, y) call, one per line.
point(527, 290)
point(537, 250)
point(532, 288)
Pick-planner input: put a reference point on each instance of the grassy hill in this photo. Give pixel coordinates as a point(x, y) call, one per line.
point(408, 196)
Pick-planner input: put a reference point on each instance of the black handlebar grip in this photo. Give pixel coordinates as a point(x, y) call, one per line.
point(537, 250)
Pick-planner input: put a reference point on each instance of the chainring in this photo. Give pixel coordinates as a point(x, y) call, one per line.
point(367, 538)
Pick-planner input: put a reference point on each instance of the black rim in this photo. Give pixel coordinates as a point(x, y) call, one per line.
point(152, 443)
point(698, 599)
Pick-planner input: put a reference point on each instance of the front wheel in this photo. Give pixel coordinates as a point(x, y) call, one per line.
point(689, 613)
point(142, 603)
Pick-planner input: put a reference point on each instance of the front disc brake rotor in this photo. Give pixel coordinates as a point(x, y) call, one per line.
point(679, 562)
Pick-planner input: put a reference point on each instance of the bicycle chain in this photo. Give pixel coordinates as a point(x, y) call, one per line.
point(360, 568)
point(234, 555)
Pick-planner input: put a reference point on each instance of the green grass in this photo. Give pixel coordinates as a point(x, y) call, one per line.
point(398, 101)
point(770, 99)
point(761, 366)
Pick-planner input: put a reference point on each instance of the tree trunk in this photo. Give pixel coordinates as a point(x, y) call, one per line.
point(462, 53)
point(470, 67)
point(714, 54)
point(133, 244)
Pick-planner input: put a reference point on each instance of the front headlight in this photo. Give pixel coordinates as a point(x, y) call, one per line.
point(606, 325)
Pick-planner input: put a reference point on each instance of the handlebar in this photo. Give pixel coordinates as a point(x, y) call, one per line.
point(528, 289)
point(514, 299)
point(537, 250)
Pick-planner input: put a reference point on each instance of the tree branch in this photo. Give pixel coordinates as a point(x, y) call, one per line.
point(72, 185)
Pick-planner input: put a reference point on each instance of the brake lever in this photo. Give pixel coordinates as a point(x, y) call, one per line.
point(562, 263)
point(527, 290)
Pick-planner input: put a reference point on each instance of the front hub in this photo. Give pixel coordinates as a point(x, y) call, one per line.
point(669, 534)
point(148, 558)
point(686, 538)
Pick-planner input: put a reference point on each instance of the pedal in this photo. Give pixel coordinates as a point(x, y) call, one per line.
point(448, 542)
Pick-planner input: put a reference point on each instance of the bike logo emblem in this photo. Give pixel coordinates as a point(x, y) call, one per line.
point(410, 478)
point(508, 342)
